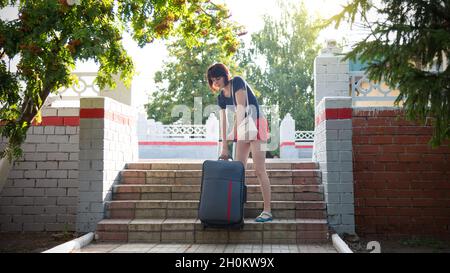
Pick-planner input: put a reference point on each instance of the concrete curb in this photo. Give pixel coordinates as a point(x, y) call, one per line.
point(339, 244)
point(75, 244)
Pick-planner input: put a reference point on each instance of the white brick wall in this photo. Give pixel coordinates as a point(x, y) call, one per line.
point(39, 194)
point(333, 139)
point(333, 151)
point(105, 147)
point(331, 77)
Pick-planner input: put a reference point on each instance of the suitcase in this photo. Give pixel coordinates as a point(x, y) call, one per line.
point(223, 194)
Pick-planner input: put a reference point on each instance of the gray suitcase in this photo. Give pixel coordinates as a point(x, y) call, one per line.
point(223, 194)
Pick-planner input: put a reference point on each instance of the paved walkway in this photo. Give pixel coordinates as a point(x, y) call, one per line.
point(207, 248)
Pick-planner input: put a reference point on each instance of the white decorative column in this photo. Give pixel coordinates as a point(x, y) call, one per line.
point(331, 74)
point(287, 138)
point(213, 134)
point(108, 140)
point(120, 93)
point(334, 154)
point(212, 128)
point(331, 78)
point(142, 126)
point(333, 136)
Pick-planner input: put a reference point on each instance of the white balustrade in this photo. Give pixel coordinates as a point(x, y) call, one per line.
point(152, 130)
point(365, 90)
point(87, 87)
point(304, 136)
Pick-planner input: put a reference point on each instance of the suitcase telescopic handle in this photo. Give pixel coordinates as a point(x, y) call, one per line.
point(229, 158)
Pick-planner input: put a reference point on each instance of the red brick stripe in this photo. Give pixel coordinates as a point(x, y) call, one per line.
point(72, 121)
point(92, 113)
point(182, 143)
point(287, 143)
point(54, 121)
point(100, 113)
point(303, 146)
point(59, 121)
point(334, 113)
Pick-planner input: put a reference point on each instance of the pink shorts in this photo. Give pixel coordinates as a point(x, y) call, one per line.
point(263, 130)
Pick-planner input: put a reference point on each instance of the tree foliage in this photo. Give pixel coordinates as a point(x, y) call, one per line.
point(184, 77)
point(50, 36)
point(408, 47)
point(279, 63)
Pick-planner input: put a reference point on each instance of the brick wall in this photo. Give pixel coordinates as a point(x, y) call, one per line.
point(402, 185)
point(333, 152)
point(42, 188)
point(108, 140)
point(331, 74)
point(70, 162)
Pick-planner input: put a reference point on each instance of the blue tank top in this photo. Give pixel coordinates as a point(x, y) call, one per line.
point(238, 83)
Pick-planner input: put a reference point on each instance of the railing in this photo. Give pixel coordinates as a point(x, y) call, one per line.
point(374, 93)
point(304, 136)
point(178, 131)
point(85, 87)
point(156, 131)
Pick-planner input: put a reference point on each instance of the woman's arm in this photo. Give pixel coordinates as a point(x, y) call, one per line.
point(223, 120)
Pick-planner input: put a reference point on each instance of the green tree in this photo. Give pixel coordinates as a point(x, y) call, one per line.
point(50, 36)
point(408, 47)
point(279, 63)
point(184, 77)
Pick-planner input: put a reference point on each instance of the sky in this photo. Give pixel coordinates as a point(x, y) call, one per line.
point(248, 13)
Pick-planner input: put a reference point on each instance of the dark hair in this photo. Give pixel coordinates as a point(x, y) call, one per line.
point(217, 70)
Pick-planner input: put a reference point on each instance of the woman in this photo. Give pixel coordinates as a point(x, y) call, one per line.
point(235, 92)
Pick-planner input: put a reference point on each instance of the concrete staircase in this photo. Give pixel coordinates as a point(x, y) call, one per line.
point(158, 203)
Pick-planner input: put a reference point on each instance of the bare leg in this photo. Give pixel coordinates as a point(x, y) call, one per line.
point(259, 161)
point(242, 151)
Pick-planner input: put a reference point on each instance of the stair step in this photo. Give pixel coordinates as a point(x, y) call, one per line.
point(153, 209)
point(158, 192)
point(197, 165)
point(196, 188)
point(193, 177)
point(157, 202)
point(191, 231)
point(192, 192)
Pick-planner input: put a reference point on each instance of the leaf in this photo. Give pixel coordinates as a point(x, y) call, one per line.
point(38, 117)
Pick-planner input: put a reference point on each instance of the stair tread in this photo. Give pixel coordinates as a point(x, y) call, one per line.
point(193, 170)
point(177, 185)
point(200, 161)
point(250, 221)
point(196, 201)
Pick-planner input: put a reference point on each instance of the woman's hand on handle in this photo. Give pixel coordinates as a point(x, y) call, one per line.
point(225, 157)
